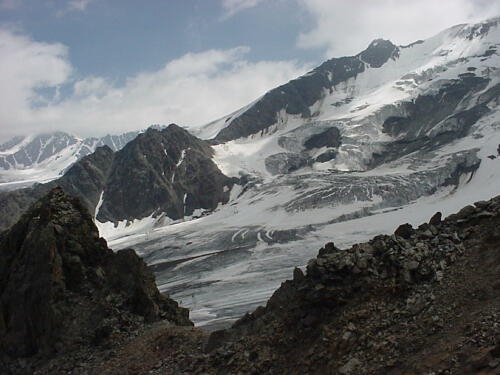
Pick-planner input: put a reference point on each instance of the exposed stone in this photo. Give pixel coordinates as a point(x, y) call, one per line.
point(328, 138)
point(167, 171)
point(61, 287)
point(285, 162)
point(350, 367)
point(404, 231)
point(298, 275)
point(326, 156)
point(436, 219)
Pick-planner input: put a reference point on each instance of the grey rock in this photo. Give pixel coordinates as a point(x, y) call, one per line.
point(435, 219)
point(285, 162)
point(404, 231)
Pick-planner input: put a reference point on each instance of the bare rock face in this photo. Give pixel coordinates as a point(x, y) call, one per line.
point(297, 96)
point(328, 138)
point(163, 171)
point(61, 287)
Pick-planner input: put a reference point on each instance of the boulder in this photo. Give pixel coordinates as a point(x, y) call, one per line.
point(404, 231)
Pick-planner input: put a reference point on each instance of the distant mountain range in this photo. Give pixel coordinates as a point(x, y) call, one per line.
point(25, 160)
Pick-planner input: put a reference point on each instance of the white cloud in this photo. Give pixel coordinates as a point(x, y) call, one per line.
point(231, 7)
point(192, 90)
point(74, 6)
point(25, 66)
point(347, 27)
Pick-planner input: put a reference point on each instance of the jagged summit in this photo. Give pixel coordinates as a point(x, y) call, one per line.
point(378, 52)
point(168, 171)
point(62, 287)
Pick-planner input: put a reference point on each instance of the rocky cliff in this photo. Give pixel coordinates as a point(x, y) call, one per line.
point(167, 171)
point(161, 171)
point(62, 289)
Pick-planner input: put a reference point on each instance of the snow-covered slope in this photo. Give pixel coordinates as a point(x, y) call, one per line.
point(351, 149)
point(360, 105)
point(42, 158)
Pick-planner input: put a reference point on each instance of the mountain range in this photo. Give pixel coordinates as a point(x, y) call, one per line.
point(25, 160)
point(350, 149)
point(162, 173)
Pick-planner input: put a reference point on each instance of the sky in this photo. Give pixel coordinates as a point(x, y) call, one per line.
point(93, 67)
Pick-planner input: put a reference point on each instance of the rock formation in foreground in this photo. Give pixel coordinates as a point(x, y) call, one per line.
point(63, 289)
point(421, 301)
point(424, 300)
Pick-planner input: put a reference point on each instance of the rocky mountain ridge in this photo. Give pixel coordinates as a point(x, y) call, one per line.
point(166, 172)
point(297, 96)
point(62, 289)
point(415, 131)
point(162, 172)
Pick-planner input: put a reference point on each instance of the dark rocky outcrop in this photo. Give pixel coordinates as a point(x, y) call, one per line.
point(433, 120)
point(286, 162)
point(62, 288)
point(326, 156)
point(379, 52)
point(423, 300)
point(433, 109)
point(163, 171)
point(87, 178)
point(328, 138)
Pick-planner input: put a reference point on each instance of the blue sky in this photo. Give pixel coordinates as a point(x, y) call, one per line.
point(118, 38)
point(92, 67)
